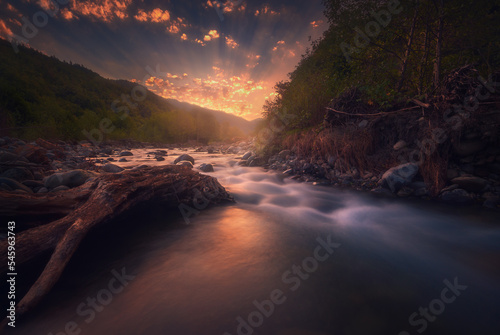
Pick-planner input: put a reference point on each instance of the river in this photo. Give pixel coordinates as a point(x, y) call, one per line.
point(287, 259)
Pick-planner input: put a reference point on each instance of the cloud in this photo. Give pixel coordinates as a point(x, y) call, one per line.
point(176, 26)
point(156, 15)
point(217, 90)
point(5, 32)
point(266, 10)
point(253, 61)
point(316, 24)
point(97, 10)
point(231, 43)
point(228, 6)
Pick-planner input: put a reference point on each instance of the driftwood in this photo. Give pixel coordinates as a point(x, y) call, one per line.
point(89, 205)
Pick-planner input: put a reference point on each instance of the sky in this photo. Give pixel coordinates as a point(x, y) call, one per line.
point(223, 55)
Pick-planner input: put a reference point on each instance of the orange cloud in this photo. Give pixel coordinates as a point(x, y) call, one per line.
point(316, 24)
point(156, 15)
point(218, 90)
point(5, 32)
point(265, 10)
point(231, 43)
point(176, 26)
point(100, 10)
point(229, 6)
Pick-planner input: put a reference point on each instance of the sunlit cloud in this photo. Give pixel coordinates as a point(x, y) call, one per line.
point(219, 90)
point(98, 10)
point(231, 43)
point(228, 6)
point(5, 31)
point(156, 15)
point(266, 10)
point(316, 24)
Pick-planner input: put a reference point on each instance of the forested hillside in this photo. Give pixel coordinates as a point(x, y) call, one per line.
point(388, 52)
point(41, 96)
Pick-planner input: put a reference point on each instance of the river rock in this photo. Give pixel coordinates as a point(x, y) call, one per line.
point(247, 155)
point(397, 177)
point(185, 163)
point(363, 124)
point(467, 148)
point(470, 183)
point(123, 160)
point(60, 188)
point(159, 158)
point(71, 179)
point(399, 145)
point(42, 190)
point(126, 153)
point(456, 196)
point(184, 157)
point(14, 185)
point(206, 167)
point(284, 153)
point(18, 173)
point(6, 156)
point(112, 168)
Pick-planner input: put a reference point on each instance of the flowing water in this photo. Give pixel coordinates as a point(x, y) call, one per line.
point(287, 259)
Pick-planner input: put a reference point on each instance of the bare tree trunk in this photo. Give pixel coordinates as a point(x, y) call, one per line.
point(404, 64)
point(439, 43)
point(95, 203)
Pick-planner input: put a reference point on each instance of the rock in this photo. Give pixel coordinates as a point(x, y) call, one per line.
point(206, 167)
point(43, 190)
point(112, 168)
point(399, 145)
point(111, 159)
point(123, 160)
point(456, 196)
point(405, 192)
point(284, 153)
point(467, 148)
point(18, 173)
point(60, 188)
point(71, 179)
point(257, 161)
point(332, 160)
point(449, 188)
point(288, 172)
point(247, 155)
point(159, 158)
point(14, 185)
point(243, 163)
point(211, 150)
point(492, 203)
point(126, 153)
point(6, 156)
point(34, 185)
point(363, 124)
point(421, 192)
point(355, 174)
point(185, 163)
point(452, 174)
point(397, 177)
point(382, 191)
point(184, 157)
point(471, 184)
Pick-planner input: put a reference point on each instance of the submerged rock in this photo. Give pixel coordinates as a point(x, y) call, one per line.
point(456, 196)
point(206, 167)
point(112, 168)
point(184, 157)
point(397, 177)
point(185, 163)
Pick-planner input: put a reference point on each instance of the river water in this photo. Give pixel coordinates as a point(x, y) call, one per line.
point(287, 259)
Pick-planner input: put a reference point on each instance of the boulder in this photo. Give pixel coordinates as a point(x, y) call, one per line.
point(112, 168)
point(60, 188)
point(247, 155)
point(126, 153)
point(283, 154)
point(397, 177)
point(159, 158)
point(123, 160)
point(71, 179)
point(18, 173)
point(467, 148)
point(185, 163)
point(456, 196)
point(206, 167)
point(471, 184)
point(184, 157)
point(14, 185)
point(399, 145)
point(6, 156)
point(33, 153)
point(363, 124)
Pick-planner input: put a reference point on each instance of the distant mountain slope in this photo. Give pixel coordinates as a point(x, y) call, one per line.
point(41, 96)
point(246, 126)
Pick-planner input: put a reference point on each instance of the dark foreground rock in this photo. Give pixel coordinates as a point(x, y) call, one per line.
point(94, 203)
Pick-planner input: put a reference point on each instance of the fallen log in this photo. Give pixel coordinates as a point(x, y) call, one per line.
point(92, 204)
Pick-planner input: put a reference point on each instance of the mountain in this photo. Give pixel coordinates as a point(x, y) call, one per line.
point(41, 96)
point(222, 117)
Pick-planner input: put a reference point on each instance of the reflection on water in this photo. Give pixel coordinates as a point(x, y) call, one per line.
point(206, 277)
